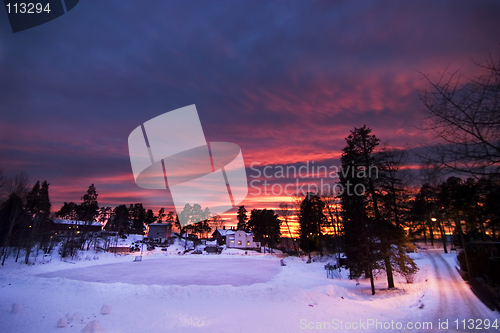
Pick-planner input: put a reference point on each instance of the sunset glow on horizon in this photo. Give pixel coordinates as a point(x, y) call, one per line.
point(282, 82)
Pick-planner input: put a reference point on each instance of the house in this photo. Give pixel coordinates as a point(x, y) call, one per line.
point(160, 231)
point(68, 228)
point(239, 239)
point(220, 235)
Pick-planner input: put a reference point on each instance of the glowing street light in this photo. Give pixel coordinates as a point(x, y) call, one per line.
point(443, 237)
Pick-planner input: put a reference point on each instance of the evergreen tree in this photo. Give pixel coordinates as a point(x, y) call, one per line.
point(311, 223)
point(38, 205)
point(170, 217)
point(360, 244)
point(120, 220)
point(104, 215)
point(89, 208)
point(265, 226)
point(370, 236)
point(161, 215)
point(150, 217)
point(242, 218)
point(137, 214)
point(68, 211)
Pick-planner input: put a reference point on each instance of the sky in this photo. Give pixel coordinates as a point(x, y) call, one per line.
point(284, 80)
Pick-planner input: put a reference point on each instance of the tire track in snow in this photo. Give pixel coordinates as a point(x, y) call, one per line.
point(443, 300)
point(456, 300)
point(447, 297)
point(461, 288)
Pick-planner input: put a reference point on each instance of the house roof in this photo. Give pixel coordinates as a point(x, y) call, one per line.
point(63, 221)
point(226, 232)
point(159, 225)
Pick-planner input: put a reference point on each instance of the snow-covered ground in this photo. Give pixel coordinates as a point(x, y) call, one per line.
point(231, 292)
point(178, 270)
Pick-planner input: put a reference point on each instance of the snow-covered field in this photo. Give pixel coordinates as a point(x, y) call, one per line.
point(230, 292)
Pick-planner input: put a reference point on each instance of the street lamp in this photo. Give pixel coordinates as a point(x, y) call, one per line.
point(443, 237)
point(308, 248)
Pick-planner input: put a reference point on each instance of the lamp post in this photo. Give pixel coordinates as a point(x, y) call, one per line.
point(433, 219)
point(308, 248)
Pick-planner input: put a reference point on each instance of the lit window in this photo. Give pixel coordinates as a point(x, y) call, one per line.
point(239, 242)
point(232, 241)
point(248, 243)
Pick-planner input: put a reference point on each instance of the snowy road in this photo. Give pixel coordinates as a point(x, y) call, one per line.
point(453, 299)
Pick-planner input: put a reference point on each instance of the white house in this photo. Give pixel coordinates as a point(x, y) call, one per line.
point(240, 239)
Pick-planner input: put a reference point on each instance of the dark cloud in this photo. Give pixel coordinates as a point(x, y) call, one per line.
point(286, 80)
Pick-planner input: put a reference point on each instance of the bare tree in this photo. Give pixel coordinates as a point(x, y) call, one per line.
point(3, 186)
point(14, 214)
point(332, 202)
point(464, 115)
point(17, 189)
point(286, 212)
point(393, 181)
point(18, 185)
point(216, 222)
point(297, 201)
